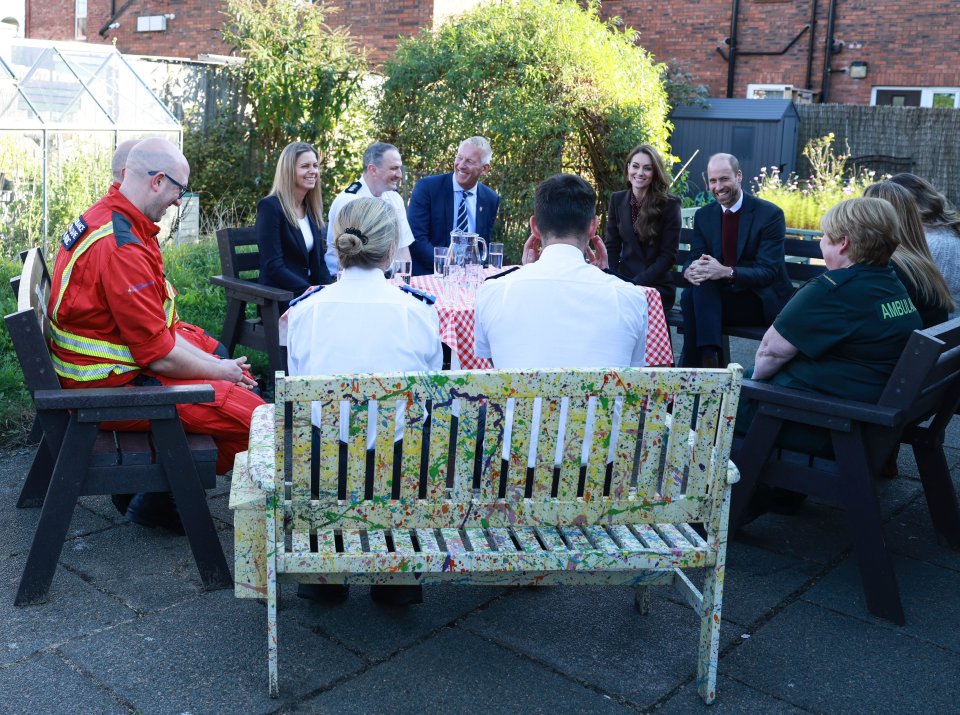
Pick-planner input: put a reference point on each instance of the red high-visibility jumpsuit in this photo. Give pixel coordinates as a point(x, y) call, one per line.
point(113, 313)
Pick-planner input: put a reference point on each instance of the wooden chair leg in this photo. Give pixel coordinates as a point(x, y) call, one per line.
point(58, 505)
point(939, 492)
point(866, 527)
point(191, 500)
point(38, 478)
point(710, 612)
point(231, 324)
point(751, 458)
point(276, 354)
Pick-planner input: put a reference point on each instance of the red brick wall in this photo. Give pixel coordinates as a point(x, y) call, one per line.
point(905, 43)
point(196, 27)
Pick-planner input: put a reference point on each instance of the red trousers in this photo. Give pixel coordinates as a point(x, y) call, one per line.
point(226, 419)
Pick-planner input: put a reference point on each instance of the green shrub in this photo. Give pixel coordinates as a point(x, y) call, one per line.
point(304, 80)
point(553, 87)
point(16, 408)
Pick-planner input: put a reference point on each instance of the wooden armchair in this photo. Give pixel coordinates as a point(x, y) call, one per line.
point(76, 458)
point(240, 264)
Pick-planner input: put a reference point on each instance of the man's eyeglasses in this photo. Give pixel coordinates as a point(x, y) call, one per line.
point(183, 189)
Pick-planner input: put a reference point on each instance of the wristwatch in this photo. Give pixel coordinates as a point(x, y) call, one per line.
point(733, 275)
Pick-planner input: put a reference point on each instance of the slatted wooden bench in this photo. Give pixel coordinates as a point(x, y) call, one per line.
point(803, 259)
point(75, 458)
point(917, 403)
point(240, 266)
point(492, 521)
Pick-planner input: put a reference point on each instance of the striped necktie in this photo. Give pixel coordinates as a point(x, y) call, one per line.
point(463, 222)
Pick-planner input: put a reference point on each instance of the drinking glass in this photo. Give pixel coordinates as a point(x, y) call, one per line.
point(453, 278)
point(440, 259)
point(496, 255)
point(472, 278)
point(402, 270)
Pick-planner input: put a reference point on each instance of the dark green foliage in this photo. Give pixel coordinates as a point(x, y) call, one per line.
point(16, 408)
point(551, 85)
point(304, 81)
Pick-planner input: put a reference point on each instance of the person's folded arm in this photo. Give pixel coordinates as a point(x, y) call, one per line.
point(774, 352)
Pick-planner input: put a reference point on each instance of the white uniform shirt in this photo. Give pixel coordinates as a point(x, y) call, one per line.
point(561, 312)
point(343, 198)
point(361, 323)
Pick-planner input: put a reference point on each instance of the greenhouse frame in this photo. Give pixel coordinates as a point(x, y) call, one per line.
point(64, 107)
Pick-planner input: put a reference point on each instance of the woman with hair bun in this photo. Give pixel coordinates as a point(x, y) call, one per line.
point(289, 226)
point(363, 324)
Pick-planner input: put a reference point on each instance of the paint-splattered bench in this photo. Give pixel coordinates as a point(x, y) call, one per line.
point(443, 506)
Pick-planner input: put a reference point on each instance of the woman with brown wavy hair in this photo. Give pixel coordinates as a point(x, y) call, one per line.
point(643, 225)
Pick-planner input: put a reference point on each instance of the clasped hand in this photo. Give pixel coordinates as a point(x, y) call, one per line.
point(705, 268)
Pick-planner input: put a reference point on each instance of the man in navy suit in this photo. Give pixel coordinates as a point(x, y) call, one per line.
point(444, 202)
point(736, 267)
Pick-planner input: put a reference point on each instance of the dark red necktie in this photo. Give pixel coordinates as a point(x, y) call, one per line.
point(729, 223)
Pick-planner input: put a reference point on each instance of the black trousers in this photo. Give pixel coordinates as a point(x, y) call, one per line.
point(707, 308)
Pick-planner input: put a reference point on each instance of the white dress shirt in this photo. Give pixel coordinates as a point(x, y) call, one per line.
point(343, 198)
point(561, 312)
point(361, 324)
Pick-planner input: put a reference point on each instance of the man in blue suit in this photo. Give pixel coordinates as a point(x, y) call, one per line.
point(444, 202)
point(736, 267)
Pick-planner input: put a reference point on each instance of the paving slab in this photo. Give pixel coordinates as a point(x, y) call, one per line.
point(457, 672)
point(146, 569)
point(74, 608)
point(817, 533)
point(40, 685)
point(733, 698)
point(376, 631)
point(757, 580)
point(911, 534)
point(20, 524)
point(207, 656)
point(930, 595)
point(594, 633)
point(828, 662)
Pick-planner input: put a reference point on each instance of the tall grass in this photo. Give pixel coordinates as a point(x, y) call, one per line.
point(805, 201)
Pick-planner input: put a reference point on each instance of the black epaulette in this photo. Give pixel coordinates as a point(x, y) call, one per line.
point(353, 188)
point(503, 273)
point(312, 290)
point(419, 294)
point(73, 232)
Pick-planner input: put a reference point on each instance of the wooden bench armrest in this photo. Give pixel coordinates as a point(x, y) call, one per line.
point(262, 451)
point(817, 406)
point(242, 288)
point(97, 397)
point(733, 473)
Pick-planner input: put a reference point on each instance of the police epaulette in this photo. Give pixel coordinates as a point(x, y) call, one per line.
point(419, 294)
point(73, 232)
point(353, 188)
point(503, 273)
point(312, 290)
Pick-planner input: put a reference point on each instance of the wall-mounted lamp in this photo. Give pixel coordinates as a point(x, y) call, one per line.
point(858, 69)
point(114, 26)
point(170, 15)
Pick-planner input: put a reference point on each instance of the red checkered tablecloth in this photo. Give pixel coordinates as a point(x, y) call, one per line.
point(456, 327)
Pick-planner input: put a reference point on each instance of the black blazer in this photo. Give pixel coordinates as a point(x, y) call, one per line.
point(284, 259)
point(646, 264)
point(760, 250)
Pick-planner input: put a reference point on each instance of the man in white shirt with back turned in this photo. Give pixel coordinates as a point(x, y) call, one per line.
point(560, 311)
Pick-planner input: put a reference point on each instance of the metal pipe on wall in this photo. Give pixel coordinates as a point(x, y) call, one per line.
point(732, 64)
point(828, 54)
point(813, 46)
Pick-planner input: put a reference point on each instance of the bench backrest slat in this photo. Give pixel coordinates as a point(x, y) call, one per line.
point(239, 254)
point(672, 480)
point(29, 327)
